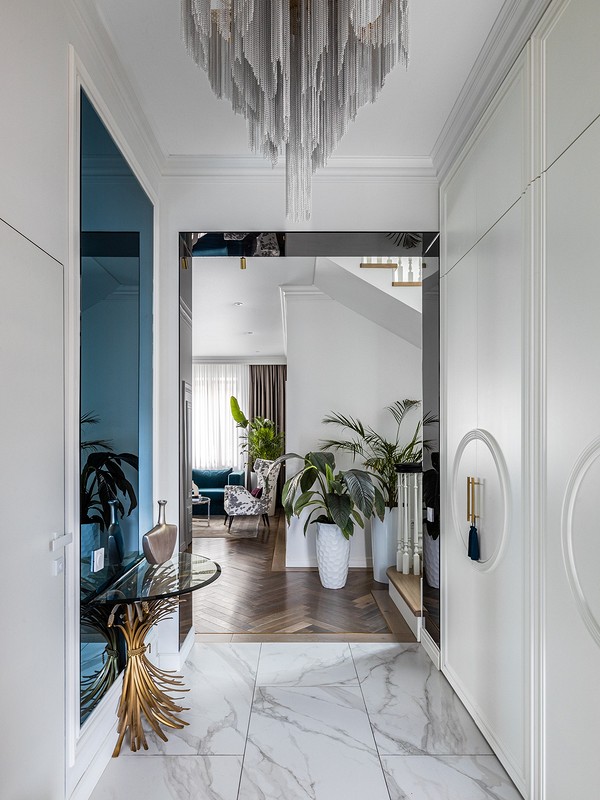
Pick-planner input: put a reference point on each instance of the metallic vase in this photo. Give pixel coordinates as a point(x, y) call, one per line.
point(159, 543)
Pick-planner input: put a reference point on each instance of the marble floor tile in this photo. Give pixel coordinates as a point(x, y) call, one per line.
point(412, 708)
point(447, 778)
point(313, 743)
point(170, 778)
point(306, 664)
point(220, 679)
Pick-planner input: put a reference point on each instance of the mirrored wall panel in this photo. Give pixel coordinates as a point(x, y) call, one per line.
point(115, 389)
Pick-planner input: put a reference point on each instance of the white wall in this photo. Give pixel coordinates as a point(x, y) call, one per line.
point(38, 121)
point(339, 361)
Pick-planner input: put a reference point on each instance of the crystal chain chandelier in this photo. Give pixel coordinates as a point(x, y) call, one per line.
point(298, 70)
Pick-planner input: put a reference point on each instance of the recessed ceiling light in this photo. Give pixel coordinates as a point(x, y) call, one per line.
point(238, 303)
point(249, 333)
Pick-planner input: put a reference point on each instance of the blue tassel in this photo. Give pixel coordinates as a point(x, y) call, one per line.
point(473, 550)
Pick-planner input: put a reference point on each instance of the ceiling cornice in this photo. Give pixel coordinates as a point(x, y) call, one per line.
point(513, 27)
point(98, 41)
point(242, 168)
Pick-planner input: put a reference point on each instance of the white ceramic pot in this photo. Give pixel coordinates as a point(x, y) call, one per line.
point(384, 543)
point(333, 555)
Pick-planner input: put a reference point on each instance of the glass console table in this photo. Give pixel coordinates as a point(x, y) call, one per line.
point(136, 601)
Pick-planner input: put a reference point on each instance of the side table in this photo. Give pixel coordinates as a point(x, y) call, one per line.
point(146, 594)
point(200, 500)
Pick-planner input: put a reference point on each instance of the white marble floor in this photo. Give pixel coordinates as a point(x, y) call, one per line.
point(284, 721)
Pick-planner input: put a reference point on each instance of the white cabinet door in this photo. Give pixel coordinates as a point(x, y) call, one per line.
point(32, 761)
point(571, 529)
point(483, 632)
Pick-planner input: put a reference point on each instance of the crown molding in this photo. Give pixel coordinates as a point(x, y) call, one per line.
point(274, 359)
point(512, 29)
point(297, 292)
point(98, 43)
point(249, 168)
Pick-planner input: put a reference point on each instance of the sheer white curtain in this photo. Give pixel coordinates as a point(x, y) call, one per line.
point(215, 436)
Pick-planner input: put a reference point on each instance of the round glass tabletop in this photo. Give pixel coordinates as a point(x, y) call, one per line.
point(184, 573)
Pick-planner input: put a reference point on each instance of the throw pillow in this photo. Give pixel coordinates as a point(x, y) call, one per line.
point(257, 492)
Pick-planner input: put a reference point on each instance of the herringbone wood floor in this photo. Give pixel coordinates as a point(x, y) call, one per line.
point(253, 599)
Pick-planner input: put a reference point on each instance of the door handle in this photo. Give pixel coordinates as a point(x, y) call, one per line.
point(59, 541)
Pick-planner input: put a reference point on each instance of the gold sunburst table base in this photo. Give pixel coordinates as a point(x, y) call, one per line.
point(146, 688)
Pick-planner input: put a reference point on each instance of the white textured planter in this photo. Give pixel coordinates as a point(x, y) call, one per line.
point(333, 555)
point(384, 543)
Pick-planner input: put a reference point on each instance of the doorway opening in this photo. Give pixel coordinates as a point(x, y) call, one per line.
point(336, 314)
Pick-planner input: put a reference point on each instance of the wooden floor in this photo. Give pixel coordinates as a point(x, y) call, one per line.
point(256, 599)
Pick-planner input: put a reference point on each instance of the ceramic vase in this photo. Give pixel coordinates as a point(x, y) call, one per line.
point(159, 543)
point(115, 544)
point(333, 555)
point(384, 543)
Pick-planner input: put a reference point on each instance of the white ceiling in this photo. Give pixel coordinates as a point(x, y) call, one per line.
point(406, 120)
point(221, 329)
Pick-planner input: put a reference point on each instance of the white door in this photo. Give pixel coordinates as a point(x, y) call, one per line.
point(32, 760)
point(571, 529)
point(483, 631)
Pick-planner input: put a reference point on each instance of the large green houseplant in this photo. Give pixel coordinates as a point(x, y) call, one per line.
point(261, 438)
point(103, 480)
point(337, 502)
point(380, 455)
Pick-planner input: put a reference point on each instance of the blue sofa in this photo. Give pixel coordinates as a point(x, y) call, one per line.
point(211, 483)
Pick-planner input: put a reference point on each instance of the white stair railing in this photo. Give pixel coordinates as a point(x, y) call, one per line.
point(409, 554)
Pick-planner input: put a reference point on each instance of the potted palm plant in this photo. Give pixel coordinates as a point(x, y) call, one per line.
point(337, 502)
point(380, 456)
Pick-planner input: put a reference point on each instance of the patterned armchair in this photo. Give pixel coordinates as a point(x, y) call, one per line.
point(240, 502)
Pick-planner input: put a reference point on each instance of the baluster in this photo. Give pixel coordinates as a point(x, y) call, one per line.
point(418, 523)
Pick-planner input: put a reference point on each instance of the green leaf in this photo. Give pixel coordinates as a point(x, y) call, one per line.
point(237, 413)
point(361, 489)
point(320, 460)
point(305, 499)
point(339, 507)
point(309, 476)
point(379, 504)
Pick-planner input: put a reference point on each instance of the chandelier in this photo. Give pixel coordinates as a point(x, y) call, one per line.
point(298, 71)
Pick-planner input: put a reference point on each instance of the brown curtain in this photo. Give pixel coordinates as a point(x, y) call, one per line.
point(267, 398)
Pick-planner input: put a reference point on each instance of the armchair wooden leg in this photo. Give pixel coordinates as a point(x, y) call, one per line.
point(230, 521)
point(267, 520)
point(225, 520)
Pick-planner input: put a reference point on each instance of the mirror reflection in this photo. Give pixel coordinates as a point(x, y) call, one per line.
point(115, 388)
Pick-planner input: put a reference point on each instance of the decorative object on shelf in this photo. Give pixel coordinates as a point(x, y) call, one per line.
point(116, 548)
point(340, 500)
point(298, 71)
point(380, 456)
point(473, 547)
point(159, 543)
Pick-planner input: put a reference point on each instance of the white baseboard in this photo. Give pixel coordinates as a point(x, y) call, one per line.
point(413, 622)
point(431, 648)
point(95, 746)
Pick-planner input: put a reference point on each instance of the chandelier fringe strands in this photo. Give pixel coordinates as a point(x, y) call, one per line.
point(297, 70)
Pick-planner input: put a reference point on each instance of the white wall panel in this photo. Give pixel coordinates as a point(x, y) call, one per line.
point(569, 36)
point(484, 624)
point(493, 172)
point(572, 601)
